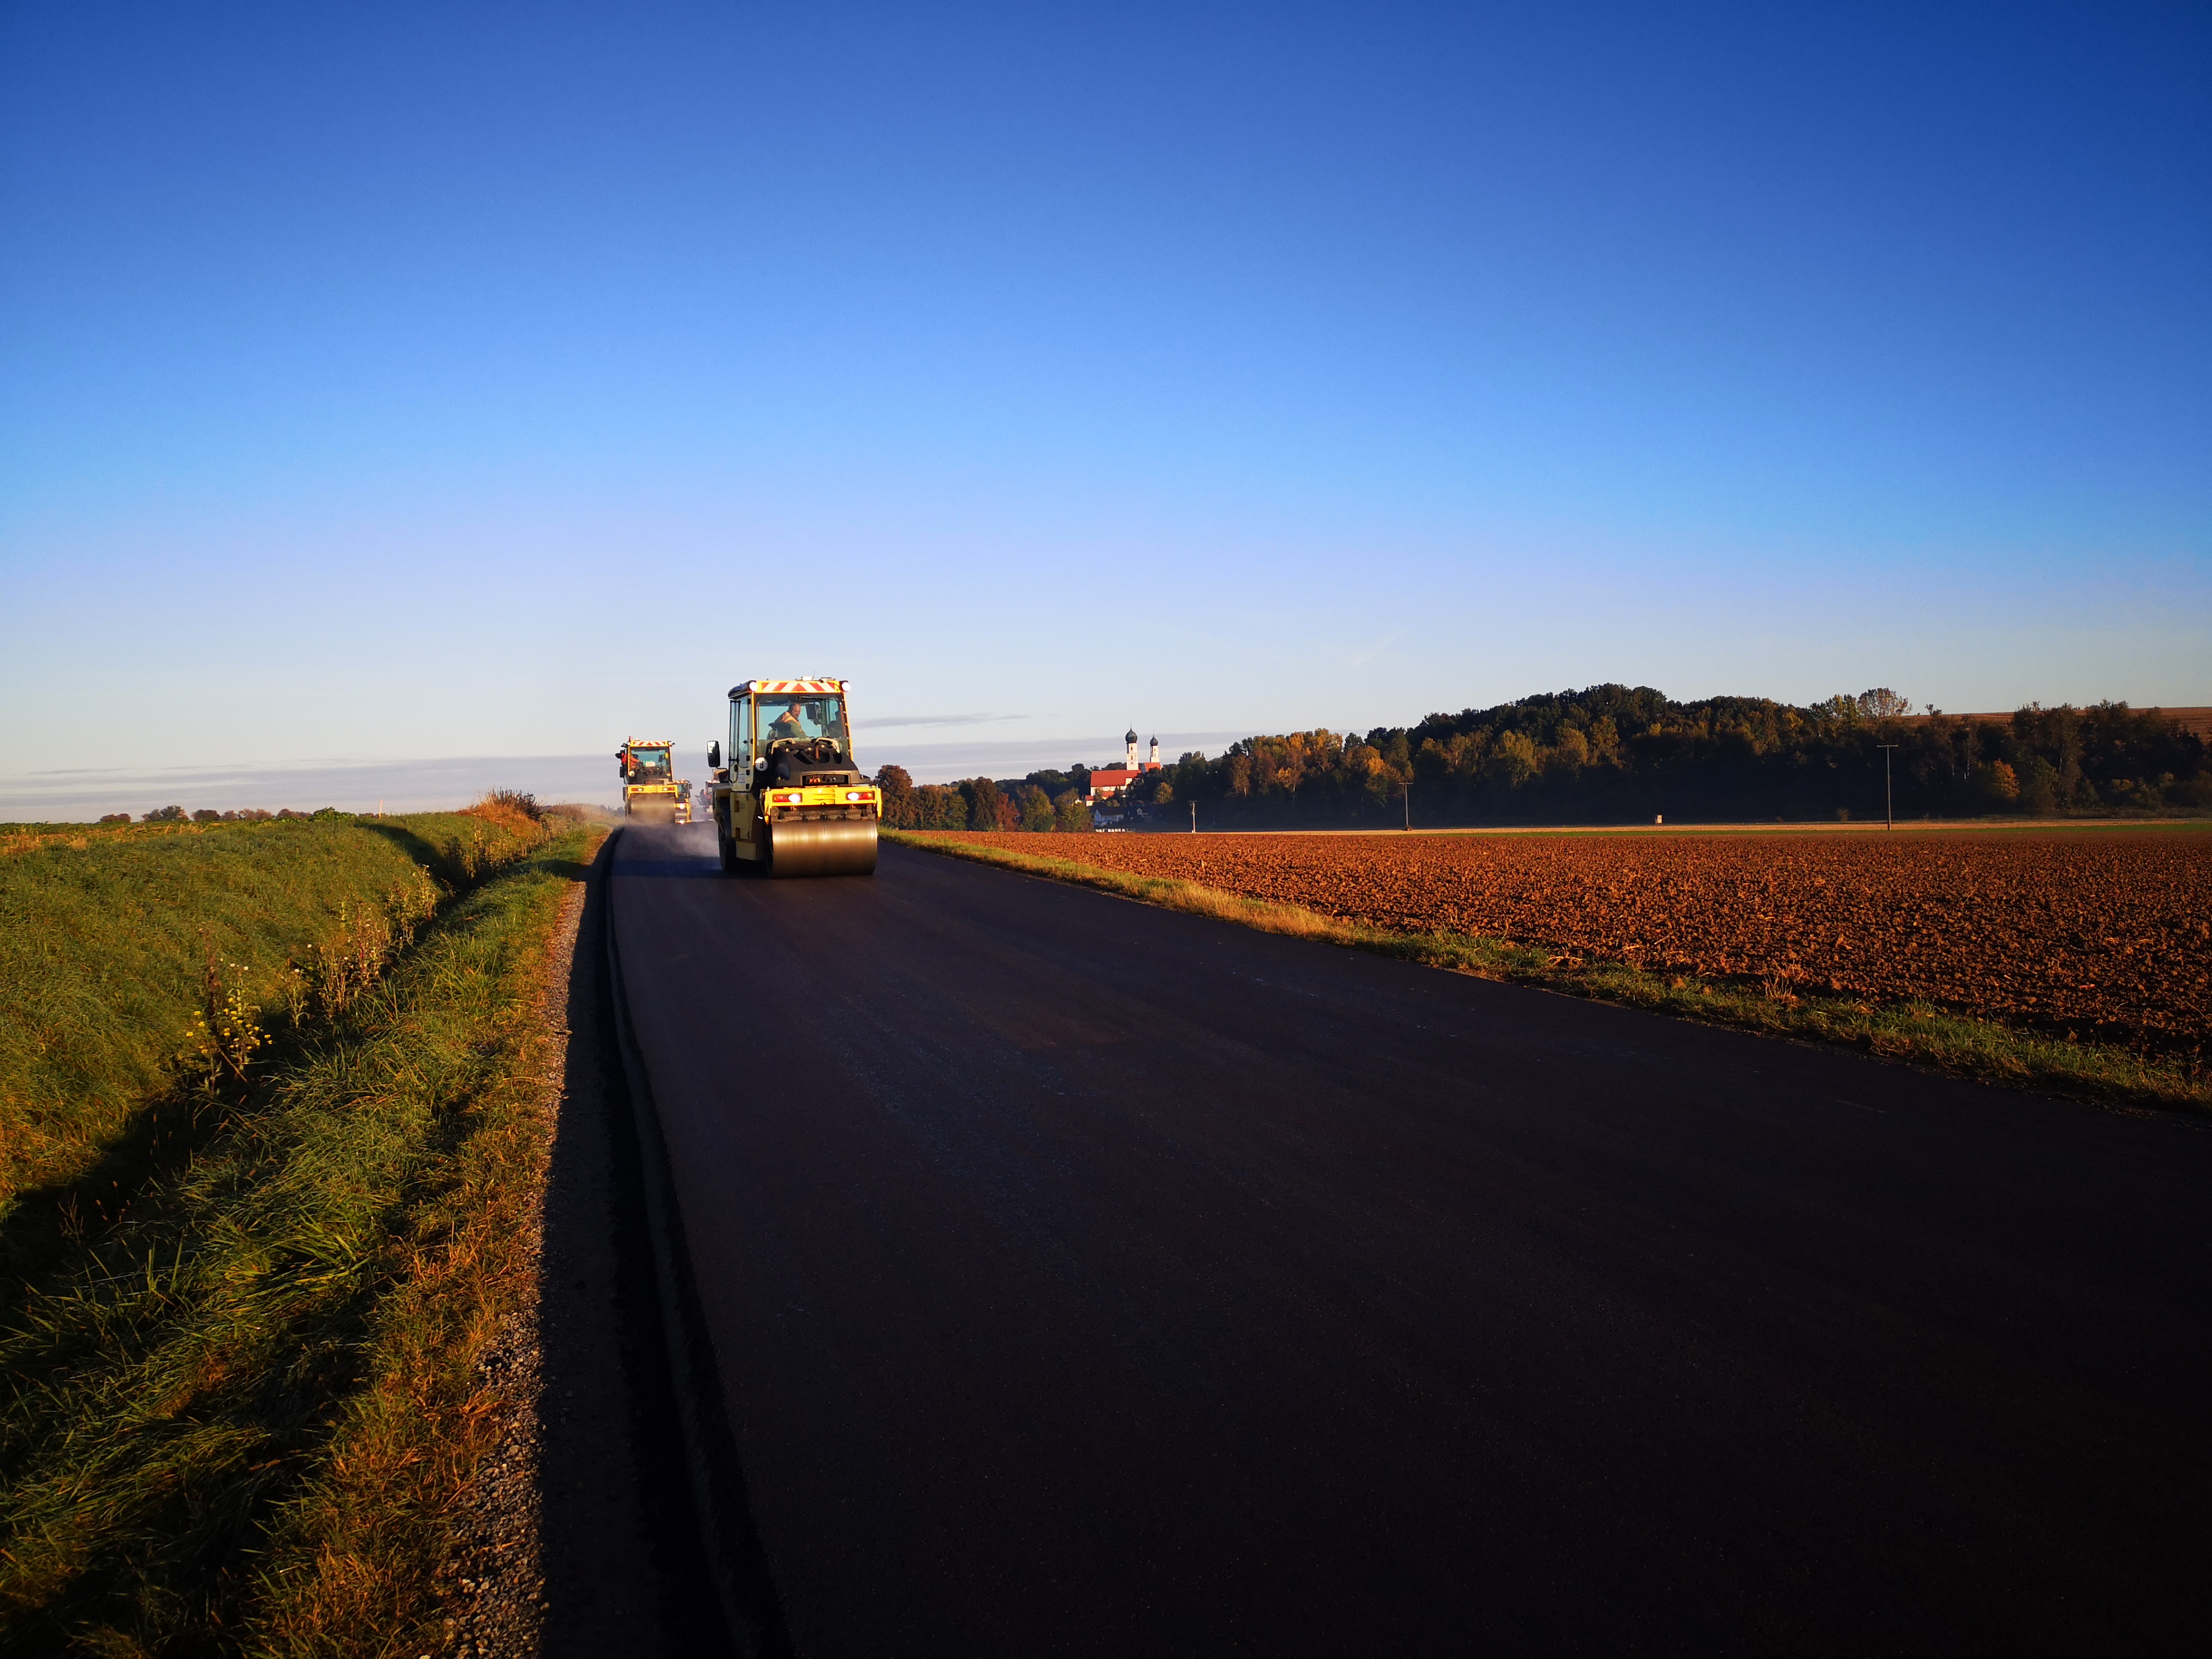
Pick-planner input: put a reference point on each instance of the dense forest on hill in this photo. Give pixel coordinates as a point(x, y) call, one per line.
point(1614, 754)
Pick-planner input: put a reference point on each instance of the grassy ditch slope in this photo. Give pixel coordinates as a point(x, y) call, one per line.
point(2080, 967)
point(272, 1105)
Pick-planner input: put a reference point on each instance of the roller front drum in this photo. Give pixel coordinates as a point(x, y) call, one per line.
point(797, 848)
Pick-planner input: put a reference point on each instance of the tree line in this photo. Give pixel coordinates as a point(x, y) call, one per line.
point(208, 815)
point(1621, 754)
point(1045, 799)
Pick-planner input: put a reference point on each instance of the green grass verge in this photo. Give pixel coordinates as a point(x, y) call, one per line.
point(121, 950)
point(1911, 1031)
point(234, 1421)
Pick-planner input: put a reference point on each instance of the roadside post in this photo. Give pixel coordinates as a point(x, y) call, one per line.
point(1193, 818)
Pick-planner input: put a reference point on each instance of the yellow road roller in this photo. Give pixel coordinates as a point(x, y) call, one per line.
point(789, 798)
point(648, 776)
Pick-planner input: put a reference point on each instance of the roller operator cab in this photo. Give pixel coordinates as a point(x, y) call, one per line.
point(648, 779)
point(789, 798)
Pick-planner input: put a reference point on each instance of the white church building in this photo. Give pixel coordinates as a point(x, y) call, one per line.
point(1112, 781)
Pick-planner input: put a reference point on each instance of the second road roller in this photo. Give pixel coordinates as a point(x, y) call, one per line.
point(789, 798)
point(648, 779)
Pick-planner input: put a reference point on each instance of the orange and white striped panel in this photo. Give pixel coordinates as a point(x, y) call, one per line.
point(789, 688)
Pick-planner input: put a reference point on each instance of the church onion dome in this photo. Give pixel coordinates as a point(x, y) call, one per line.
point(1132, 738)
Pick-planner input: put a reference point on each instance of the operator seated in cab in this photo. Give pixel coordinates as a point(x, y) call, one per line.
point(809, 734)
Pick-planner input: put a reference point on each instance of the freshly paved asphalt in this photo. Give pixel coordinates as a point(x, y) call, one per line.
point(1088, 1278)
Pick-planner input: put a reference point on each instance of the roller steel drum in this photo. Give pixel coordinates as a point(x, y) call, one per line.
point(799, 849)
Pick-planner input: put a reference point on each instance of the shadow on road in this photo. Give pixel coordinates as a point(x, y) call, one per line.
point(622, 1555)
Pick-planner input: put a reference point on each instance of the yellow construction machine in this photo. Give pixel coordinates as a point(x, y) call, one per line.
point(648, 776)
point(789, 798)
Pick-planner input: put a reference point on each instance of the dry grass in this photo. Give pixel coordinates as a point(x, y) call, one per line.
point(1908, 1031)
point(359, 1548)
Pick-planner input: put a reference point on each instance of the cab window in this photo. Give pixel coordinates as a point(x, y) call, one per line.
point(803, 716)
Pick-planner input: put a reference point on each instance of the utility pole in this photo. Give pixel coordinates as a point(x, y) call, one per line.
point(1408, 789)
point(1888, 801)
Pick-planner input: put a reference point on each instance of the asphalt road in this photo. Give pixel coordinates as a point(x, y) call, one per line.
point(1088, 1278)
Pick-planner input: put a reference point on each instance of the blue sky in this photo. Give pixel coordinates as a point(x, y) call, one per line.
point(396, 381)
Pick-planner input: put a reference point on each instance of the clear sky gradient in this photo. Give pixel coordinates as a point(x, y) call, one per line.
point(401, 380)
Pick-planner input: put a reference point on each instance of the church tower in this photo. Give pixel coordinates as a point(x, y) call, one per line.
point(1156, 751)
point(1131, 741)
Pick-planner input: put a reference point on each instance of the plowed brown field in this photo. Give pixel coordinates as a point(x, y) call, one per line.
point(2105, 933)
